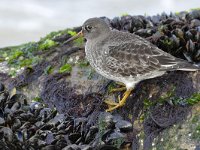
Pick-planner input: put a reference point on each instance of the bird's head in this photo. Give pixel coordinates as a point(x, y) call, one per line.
point(92, 29)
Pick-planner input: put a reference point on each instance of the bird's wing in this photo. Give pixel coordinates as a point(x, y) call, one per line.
point(133, 58)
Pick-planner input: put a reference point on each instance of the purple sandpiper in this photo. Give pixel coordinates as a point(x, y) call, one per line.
point(125, 57)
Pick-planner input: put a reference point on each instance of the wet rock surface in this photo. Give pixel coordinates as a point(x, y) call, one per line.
point(56, 102)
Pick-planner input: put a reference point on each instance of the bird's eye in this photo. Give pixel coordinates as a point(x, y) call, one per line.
point(88, 28)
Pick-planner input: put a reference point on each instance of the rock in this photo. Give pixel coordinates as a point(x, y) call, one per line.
point(70, 113)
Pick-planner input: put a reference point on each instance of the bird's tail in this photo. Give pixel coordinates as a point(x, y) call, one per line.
point(188, 67)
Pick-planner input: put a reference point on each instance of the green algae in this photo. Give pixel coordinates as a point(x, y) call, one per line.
point(124, 14)
point(48, 70)
point(65, 68)
point(47, 44)
point(91, 74)
point(12, 73)
point(111, 86)
point(54, 34)
point(196, 133)
point(168, 96)
point(37, 99)
point(83, 63)
point(118, 142)
point(194, 99)
point(178, 13)
point(15, 54)
point(192, 9)
point(77, 42)
point(20, 56)
point(26, 55)
point(195, 119)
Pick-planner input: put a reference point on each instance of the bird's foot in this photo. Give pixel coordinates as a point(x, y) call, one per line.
point(113, 105)
point(110, 103)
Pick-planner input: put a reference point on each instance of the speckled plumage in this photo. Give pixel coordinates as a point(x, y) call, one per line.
point(126, 57)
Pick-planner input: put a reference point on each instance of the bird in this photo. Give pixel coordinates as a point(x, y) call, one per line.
point(125, 57)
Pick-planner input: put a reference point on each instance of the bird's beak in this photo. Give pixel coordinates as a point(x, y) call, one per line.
point(80, 34)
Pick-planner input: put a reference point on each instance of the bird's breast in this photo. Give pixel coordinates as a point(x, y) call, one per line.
point(93, 54)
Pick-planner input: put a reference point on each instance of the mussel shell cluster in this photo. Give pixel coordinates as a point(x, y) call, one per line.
point(33, 126)
point(178, 34)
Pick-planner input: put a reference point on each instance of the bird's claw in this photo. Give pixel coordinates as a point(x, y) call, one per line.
point(121, 102)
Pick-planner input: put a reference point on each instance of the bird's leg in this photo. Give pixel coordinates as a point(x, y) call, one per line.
point(120, 83)
point(123, 88)
point(113, 105)
point(118, 89)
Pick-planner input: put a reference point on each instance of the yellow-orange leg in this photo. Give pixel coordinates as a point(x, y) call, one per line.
point(123, 88)
point(120, 83)
point(113, 105)
point(118, 89)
